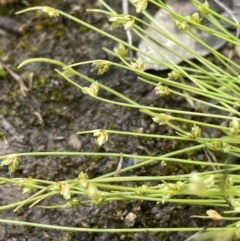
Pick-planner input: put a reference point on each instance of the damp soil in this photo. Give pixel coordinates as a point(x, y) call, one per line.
point(54, 110)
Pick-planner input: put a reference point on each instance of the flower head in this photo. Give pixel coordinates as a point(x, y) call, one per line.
point(92, 90)
point(195, 132)
point(218, 145)
point(214, 215)
point(102, 136)
point(52, 12)
point(102, 66)
point(234, 126)
point(121, 50)
point(211, 214)
point(12, 162)
point(171, 187)
point(198, 185)
point(162, 90)
point(126, 21)
point(141, 5)
point(117, 21)
point(64, 190)
point(74, 202)
point(204, 8)
point(130, 21)
point(83, 176)
point(181, 25)
point(138, 65)
point(28, 185)
point(195, 18)
point(162, 119)
point(175, 74)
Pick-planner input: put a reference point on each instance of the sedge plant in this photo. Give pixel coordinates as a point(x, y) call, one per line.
point(211, 87)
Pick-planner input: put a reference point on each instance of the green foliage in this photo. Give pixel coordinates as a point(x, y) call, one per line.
point(207, 87)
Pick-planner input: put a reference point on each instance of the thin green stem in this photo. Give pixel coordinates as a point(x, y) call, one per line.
point(107, 230)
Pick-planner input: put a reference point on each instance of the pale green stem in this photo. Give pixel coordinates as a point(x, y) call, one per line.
point(107, 230)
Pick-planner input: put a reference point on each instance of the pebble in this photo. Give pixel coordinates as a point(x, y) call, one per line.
point(163, 21)
point(74, 142)
point(130, 219)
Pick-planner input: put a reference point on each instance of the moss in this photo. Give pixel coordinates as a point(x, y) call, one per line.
point(2, 53)
point(2, 135)
point(58, 96)
point(38, 83)
point(83, 29)
point(42, 80)
point(97, 158)
point(4, 111)
point(67, 237)
point(59, 30)
point(34, 49)
point(13, 94)
point(45, 174)
point(6, 10)
point(2, 72)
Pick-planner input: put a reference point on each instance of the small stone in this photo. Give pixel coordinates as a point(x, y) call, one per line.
point(74, 142)
point(155, 210)
point(178, 53)
point(130, 219)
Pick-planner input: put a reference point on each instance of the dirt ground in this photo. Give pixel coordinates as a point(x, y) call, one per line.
point(66, 110)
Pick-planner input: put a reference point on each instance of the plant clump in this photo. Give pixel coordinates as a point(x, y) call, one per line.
point(207, 123)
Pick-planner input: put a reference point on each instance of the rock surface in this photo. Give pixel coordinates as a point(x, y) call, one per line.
point(167, 52)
